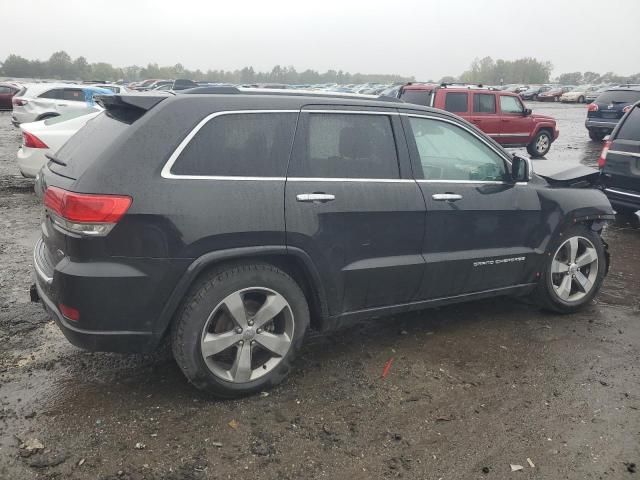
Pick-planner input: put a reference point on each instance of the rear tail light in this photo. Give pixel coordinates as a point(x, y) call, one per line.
point(592, 107)
point(19, 102)
point(69, 313)
point(31, 141)
point(83, 213)
point(602, 161)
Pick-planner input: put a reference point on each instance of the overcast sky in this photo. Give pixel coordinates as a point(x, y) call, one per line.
point(424, 38)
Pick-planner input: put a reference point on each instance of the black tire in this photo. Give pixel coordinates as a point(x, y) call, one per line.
point(545, 294)
point(207, 295)
point(596, 136)
point(580, 99)
point(533, 148)
point(534, 97)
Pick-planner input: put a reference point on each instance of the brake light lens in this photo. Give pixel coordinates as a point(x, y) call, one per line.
point(602, 160)
point(19, 102)
point(83, 213)
point(592, 107)
point(69, 313)
point(31, 141)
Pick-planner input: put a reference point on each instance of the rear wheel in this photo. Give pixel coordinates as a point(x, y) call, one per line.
point(540, 145)
point(596, 135)
point(573, 272)
point(580, 99)
point(239, 329)
point(534, 97)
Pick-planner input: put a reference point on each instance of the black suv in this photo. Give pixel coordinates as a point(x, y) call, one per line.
point(620, 163)
point(604, 113)
point(233, 222)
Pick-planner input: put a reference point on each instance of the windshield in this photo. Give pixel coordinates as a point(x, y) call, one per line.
point(619, 96)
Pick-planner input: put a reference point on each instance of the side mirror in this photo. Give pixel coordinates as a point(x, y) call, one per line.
point(527, 112)
point(521, 169)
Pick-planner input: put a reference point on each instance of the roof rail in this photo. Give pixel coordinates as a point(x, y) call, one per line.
point(213, 89)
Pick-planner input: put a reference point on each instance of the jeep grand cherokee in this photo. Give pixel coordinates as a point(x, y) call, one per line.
point(232, 222)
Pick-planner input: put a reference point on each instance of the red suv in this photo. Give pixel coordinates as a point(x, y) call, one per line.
point(499, 114)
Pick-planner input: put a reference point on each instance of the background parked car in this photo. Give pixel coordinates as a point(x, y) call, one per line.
point(620, 163)
point(45, 100)
point(578, 94)
point(591, 96)
point(47, 136)
point(7, 91)
point(117, 89)
point(532, 92)
point(606, 111)
point(554, 94)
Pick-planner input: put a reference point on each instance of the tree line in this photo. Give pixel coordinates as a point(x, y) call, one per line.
point(61, 66)
point(482, 70)
point(531, 71)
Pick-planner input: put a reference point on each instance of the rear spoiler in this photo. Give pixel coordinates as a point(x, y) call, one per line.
point(139, 102)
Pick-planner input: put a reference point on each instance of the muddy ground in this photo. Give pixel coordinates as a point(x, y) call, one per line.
point(472, 388)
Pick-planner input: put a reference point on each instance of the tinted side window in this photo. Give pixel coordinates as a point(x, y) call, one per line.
point(456, 102)
point(4, 90)
point(419, 97)
point(630, 129)
point(448, 152)
point(510, 104)
point(484, 103)
point(54, 94)
point(73, 95)
point(348, 146)
point(244, 145)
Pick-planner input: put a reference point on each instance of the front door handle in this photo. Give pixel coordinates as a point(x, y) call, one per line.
point(315, 197)
point(446, 197)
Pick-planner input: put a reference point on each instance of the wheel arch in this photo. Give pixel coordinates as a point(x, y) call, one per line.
point(295, 262)
point(44, 116)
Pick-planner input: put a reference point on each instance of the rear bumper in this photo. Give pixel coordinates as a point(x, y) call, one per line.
point(119, 302)
point(623, 198)
point(601, 124)
point(31, 160)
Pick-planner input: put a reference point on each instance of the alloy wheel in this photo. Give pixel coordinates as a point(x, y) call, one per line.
point(542, 144)
point(574, 269)
point(247, 334)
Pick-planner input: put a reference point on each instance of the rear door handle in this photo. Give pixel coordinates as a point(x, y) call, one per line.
point(315, 197)
point(446, 197)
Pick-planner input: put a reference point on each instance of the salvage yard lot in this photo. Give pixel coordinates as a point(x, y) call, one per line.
point(469, 389)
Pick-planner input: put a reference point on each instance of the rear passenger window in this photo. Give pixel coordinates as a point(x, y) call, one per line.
point(456, 102)
point(484, 103)
point(73, 95)
point(630, 129)
point(242, 145)
point(54, 94)
point(348, 146)
point(448, 152)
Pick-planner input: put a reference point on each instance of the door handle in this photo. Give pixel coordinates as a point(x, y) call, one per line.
point(315, 197)
point(446, 197)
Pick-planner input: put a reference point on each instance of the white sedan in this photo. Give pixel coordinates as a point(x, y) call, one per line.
point(47, 136)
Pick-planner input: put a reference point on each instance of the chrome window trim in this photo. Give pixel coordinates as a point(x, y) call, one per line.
point(618, 192)
point(166, 170)
point(620, 152)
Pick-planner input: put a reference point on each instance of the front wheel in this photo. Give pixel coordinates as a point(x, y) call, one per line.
point(540, 145)
point(239, 329)
point(573, 272)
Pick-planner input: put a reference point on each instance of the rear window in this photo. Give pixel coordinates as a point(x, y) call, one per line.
point(419, 97)
point(456, 102)
point(73, 95)
point(243, 145)
point(630, 129)
point(70, 116)
point(619, 96)
point(84, 147)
